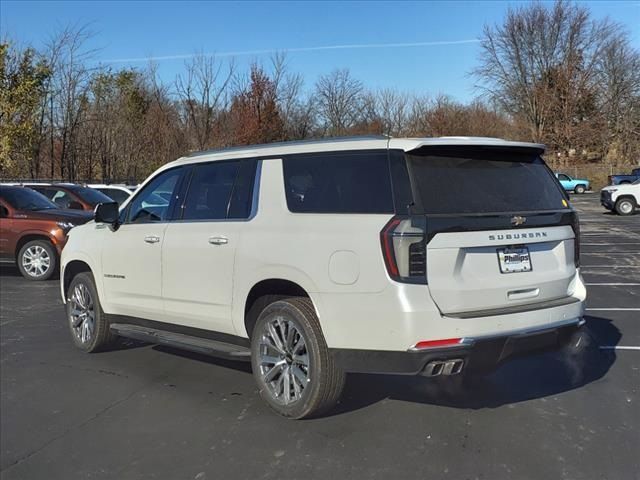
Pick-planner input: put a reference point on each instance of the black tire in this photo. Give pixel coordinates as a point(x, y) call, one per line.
point(625, 206)
point(100, 336)
point(580, 189)
point(32, 257)
point(325, 380)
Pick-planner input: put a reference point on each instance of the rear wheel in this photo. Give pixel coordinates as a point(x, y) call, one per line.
point(625, 206)
point(292, 365)
point(88, 323)
point(580, 189)
point(37, 260)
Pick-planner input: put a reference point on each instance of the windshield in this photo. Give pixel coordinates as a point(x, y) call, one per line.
point(463, 181)
point(22, 198)
point(91, 196)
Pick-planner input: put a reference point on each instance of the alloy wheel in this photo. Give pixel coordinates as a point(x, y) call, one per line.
point(36, 261)
point(82, 313)
point(284, 360)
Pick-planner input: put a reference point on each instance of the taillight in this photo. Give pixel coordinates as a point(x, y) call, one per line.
point(404, 249)
point(575, 225)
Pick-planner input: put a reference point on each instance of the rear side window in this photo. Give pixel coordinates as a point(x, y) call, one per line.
point(220, 190)
point(460, 181)
point(352, 182)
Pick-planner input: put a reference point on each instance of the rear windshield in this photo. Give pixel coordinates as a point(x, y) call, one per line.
point(461, 181)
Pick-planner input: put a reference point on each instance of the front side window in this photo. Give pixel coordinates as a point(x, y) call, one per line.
point(152, 203)
point(563, 177)
point(91, 196)
point(344, 182)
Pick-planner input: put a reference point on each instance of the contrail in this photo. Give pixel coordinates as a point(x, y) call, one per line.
point(299, 49)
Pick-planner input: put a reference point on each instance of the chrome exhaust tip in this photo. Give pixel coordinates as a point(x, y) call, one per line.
point(443, 367)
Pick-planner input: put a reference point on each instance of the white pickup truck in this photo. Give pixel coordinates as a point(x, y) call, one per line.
point(624, 199)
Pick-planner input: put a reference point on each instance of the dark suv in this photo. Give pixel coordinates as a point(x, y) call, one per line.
point(33, 231)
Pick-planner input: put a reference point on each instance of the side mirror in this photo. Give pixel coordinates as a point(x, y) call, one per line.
point(73, 205)
point(107, 213)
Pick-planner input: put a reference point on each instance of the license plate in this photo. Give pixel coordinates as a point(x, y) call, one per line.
point(514, 260)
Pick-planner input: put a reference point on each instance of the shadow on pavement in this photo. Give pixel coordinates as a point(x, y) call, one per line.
point(518, 380)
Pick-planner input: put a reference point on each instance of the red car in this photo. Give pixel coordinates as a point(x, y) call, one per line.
point(33, 230)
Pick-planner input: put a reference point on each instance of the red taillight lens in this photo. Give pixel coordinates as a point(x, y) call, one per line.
point(404, 249)
point(447, 342)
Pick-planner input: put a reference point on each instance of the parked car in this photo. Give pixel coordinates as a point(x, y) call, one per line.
point(33, 231)
point(623, 199)
point(70, 195)
point(625, 179)
point(118, 193)
point(312, 259)
point(576, 185)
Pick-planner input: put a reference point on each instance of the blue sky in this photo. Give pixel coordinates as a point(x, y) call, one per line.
point(138, 30)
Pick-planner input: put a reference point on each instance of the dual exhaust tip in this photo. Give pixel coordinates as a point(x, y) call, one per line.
point(443, 367)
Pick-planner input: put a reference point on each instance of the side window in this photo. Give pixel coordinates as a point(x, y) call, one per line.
point(210, 189)
point(563, 177)
point(152, 203)
point(59, 197)
point(351, 182)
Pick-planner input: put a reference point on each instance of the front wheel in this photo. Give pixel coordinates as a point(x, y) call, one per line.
point(37, 260)
point(292, 365)
point(625, 206)
point(87, 321)
point(580, 189)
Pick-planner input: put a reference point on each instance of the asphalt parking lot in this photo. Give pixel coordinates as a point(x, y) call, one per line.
point(150, 412)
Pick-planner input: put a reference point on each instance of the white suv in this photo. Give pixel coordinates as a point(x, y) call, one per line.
point(433, 256)
point(624, 199)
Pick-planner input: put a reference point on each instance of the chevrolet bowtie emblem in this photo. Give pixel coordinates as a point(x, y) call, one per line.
point(517, 220)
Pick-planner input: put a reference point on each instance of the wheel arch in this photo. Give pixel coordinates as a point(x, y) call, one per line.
point(267, 290)
point(31, 236)
point(71, 269)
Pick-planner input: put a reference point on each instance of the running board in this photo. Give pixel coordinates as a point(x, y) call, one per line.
point(179, 340)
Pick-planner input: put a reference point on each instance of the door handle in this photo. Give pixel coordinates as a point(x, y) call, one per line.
point(218, 240)
point(152, 239)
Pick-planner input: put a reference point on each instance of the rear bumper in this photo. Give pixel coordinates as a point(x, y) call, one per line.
point(480, 354)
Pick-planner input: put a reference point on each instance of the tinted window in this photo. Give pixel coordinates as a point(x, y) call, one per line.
point(57, 196)
point(338, 183)
point(91, 196)
point(484, 181)
point(562, 176)
point(152, 203)
point(210, 191)
point(22, 198)
point(115, 194)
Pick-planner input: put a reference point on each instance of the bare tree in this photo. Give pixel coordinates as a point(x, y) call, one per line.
point(203, 91)
point(540, 63)
point(339, 98)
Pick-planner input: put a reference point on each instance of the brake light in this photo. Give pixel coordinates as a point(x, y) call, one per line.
point(448, 342)
point(404, 249)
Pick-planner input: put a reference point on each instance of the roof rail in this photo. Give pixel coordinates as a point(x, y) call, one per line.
point(353, 138)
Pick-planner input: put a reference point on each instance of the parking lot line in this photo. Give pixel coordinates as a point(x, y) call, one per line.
point(609, 244)
point(618, 347)
point(612, 284)
point(610, 266)
point(613, 309)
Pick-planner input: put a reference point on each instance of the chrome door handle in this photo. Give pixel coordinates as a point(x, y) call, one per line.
point(218, 240)
point(152, 239)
